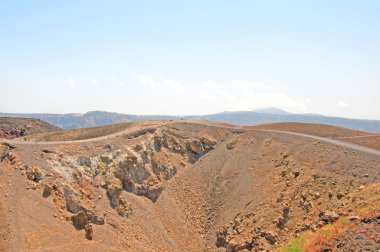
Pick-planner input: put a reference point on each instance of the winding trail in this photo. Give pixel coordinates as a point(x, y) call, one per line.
point(344, 144)
point(353, 137)
point(129, 130)
point(148, 124)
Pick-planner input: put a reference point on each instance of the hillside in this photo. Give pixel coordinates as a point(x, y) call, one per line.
point(249, 118)
point(370, 140)
point(322, 130)
point(79, 134)
point(186, 186)
point(87, 120)
point(19, 127)
point(246, 118)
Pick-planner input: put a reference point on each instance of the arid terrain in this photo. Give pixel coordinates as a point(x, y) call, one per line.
point(191, 186)
point(11, 128)
point(370, 140)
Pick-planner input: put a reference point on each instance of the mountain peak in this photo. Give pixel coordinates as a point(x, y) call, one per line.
point(271, 110)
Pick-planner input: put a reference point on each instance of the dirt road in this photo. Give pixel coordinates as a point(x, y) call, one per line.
point(145, 125)
point(332, 141)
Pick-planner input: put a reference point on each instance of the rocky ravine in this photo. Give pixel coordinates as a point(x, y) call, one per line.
point(181, 187)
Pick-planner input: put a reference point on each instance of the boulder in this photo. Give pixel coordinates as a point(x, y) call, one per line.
point(48, 151)
point(154, 191)
point(354, 218)
point(222, 237)
point(132, 174)
point(124, 208)
point(78, 177)
point(35, 174)
point(84, 161)
point(208, 144)
point(270, 236)
point(170, 172)
point(328, 216)
point(105, 159)
point(196, 146)
point(232, 145)
point(89, 231)
point(79, 220)
point(114, 190)
point(72, 202)
point(93, 217)
point(47, 191)
point(4, 150)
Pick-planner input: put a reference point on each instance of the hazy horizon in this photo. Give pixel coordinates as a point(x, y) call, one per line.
point(193, 58)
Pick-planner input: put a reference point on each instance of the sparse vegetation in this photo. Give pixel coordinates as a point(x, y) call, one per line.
point(27, 243)
point(314, 242)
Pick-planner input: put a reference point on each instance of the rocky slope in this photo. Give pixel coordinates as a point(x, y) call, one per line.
point(179, 186)
point(11, 128)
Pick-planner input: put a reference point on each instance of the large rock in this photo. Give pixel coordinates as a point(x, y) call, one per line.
point(47, 191)
point(93, 217)
point(114, 190)
point(89, 231)
point(208, 144)
point(169, 142)
point(137, 178)
point(35, 174)
point(131, 173)
point(162, 170)
point(124, 209)
point(72, 202)
point(328, 216)
point(232, 145)
point(270, 236)
point(84, 161)
point(4, 150)
point(154, 191)
point(196, 146)
point(105, 159)
point(79, 220)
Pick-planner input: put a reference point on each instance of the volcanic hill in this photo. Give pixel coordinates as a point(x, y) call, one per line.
point(189, 186)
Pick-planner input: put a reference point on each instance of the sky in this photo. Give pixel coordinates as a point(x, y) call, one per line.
point(190, 57)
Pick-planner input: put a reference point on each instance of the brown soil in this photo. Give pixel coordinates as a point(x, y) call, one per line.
point(365, 236)
point(179, 186)
point(80, 134)
point(11, 128)
point(321, 130)
point(370, 141)
point(366, 139)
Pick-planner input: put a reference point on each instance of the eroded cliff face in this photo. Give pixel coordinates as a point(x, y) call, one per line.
point(142, 169)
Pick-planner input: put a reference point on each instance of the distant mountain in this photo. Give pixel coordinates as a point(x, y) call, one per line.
point(254, 118)
point(269, 115)
point(272, 111)
point(87, 120)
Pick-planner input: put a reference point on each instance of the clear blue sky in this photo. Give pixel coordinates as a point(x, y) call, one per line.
point(190, 57)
